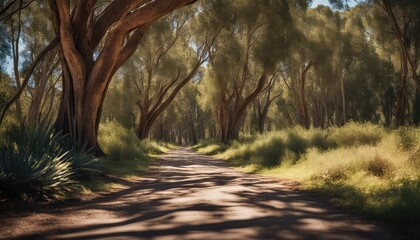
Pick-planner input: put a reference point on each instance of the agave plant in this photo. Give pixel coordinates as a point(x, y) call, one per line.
point(26, 176)
point(82, 159)
point(42, 163)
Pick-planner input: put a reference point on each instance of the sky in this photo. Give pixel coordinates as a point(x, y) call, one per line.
point(326, 3)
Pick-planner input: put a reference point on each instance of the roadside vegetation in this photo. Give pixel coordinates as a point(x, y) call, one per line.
point(38, 163)
point(363, 166)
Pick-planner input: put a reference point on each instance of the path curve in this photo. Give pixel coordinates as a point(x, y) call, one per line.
point(191, 196)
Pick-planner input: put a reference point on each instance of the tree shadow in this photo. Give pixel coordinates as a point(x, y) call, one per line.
point(192, 196)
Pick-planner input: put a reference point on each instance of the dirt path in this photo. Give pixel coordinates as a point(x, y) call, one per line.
point(191, 196)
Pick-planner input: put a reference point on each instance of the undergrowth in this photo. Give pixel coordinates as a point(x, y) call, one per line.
point(364, 166)
point(127, 156)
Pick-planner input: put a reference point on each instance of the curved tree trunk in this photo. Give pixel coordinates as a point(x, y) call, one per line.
point(87, 74)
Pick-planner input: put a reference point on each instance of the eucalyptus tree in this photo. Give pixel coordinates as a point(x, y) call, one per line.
point(404, 25)
point(396, 27)
point(96, 38)
point(166, 61)
point(44, 81)
point(264, 101)
point(244, 57)
point(14, 16)
point(310, 65)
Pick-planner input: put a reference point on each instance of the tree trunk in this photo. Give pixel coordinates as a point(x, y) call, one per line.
point(343, 98)
point(87, 70)
point(306, 122)
point(402, 100)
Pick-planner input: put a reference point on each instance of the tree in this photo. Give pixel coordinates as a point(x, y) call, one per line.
point(265, 100)
point(15, 23)
point(404, 23)
point(397, 31)
point(96, 38)
point(164, 64)
point(243, 59)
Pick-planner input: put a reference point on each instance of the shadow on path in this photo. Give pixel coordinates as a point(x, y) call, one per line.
point(191, 196)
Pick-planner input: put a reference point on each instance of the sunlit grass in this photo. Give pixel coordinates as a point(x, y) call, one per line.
point(127, 157)
point(363, 166)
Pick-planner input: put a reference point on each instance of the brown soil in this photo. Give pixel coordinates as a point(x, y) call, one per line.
point(191, 196)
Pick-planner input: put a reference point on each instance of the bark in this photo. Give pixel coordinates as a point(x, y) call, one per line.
point(231, 116)
point(86, 75)
point(306, 122)
point(343, 96)
point(263, 108)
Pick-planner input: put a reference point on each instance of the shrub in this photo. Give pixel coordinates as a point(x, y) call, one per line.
point(126, 154)
point(357, 134)
point(296, 143)
point(321, 141)
point(26, 176)
point(379, 167)
point(408, 138)
point(209, 147)
point(268, 153)
point(40, 139)
point(40, 163)
point(82, 160)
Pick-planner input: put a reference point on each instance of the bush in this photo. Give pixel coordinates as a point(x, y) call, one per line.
point(379, 167)
point(120, 143)
point(38, 165)
point(26, 176)
point(126, 154)
point(353, 134)
point(321, 141)
point(268, 153)
point(266, 150)
point(210, 147)
point(408, 138)
point(296, 143)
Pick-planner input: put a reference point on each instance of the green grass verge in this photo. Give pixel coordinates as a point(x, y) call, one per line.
point(362, 166)
point(127, 156)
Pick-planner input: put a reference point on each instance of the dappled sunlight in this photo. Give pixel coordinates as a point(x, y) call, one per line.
point(189, 196)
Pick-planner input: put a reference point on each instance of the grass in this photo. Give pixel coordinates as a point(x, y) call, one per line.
point(363, 166)
point(127, 156)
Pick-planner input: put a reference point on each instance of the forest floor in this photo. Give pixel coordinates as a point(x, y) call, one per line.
point(187, 195)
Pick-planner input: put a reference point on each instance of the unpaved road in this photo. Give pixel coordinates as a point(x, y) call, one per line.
point(191, 196)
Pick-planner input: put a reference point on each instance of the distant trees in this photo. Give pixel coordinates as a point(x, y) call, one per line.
point(166, 61)
point(211, 71)
point(244, 58)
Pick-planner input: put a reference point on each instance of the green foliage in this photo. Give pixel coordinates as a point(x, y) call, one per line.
point(408, 138)
point(36, 164)
point(266, 150)
point(296, 143)
point(210, 147)
point(34, 177)
point(357, 134)
point(4, 46)
point(126, 154)
point(364, 166)
point(122, 143)
point(321, 141)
